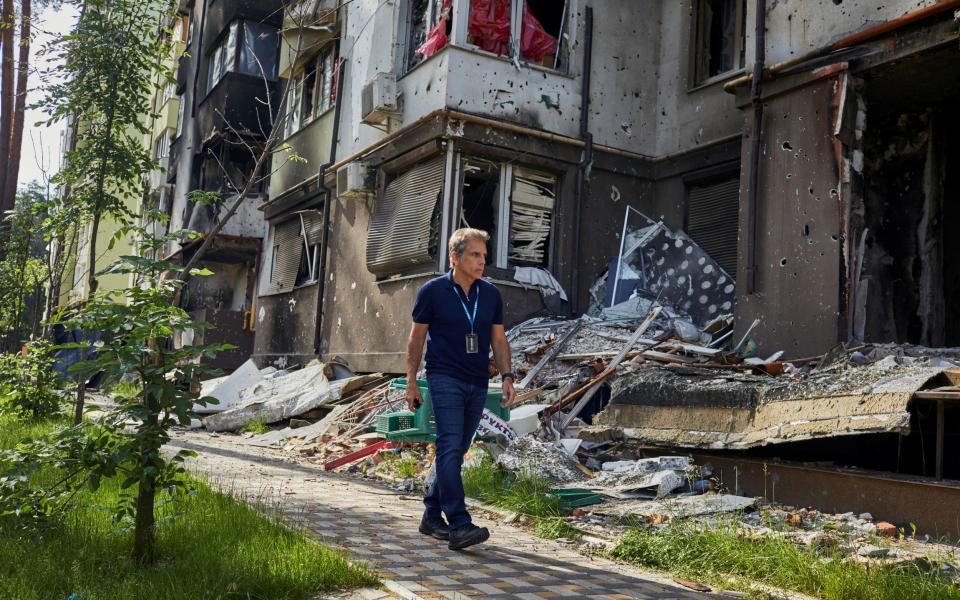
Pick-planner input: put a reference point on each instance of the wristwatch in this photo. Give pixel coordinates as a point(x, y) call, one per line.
point(508, 374)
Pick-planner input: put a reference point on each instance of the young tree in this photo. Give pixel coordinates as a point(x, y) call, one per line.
point(136, 342)
point(104, 89)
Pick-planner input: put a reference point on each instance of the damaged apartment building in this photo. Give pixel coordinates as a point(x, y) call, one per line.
point(823, 191)
point(540, 122)
point(227, 88)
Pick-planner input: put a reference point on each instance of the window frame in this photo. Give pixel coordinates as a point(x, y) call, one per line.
point(323, 97)
point(431, 18)
point(161, 146)
point(699, 46)
point(562, 61)
point(502, 237)
point(178, 130)
point(238, 31)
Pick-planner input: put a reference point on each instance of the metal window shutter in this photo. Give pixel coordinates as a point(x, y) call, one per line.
point(312, 226)
point(400, 234)
point(712, 221)
point(289, 248)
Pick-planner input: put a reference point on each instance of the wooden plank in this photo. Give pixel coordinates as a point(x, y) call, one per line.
point(611, 368)
point(550, 355)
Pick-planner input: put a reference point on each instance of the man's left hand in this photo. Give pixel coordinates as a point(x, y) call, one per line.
point(508, 393)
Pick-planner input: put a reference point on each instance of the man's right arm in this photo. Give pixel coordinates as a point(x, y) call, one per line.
point(418, 335)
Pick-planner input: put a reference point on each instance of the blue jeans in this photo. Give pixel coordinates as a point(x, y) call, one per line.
point(457, 407)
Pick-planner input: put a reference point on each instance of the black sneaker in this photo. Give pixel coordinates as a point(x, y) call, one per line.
point(434, 528)
point(468, 535)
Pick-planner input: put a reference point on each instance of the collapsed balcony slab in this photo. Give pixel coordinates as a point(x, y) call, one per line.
point(663, 407)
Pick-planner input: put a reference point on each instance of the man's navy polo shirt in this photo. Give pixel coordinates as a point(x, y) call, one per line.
point(439, 306)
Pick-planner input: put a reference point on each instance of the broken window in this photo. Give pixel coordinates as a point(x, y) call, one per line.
point(285, 260)
point(181, 27)
point(311, 227)
point(518, 216)
point(538, 39)
point(480, 199)
point(428, 29)
point(713, 211)
point(247, 47)
point(313, 91)
point(222, 58)
point(258, 52)
point(405, 228)
point(169, 91)
point(719, 31)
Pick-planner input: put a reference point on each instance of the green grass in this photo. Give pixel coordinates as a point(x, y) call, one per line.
point(210, 546)
point(255, 427)
point(524, 494)
point(401, 467)
point(716, 553)
point(127, 389)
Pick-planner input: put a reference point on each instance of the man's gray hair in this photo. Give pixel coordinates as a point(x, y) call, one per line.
point(458, 241)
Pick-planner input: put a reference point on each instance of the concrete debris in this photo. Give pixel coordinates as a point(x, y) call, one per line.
point(530, 456)
point(678, 507)
point(227, 389)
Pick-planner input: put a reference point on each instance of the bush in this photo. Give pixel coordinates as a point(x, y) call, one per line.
point(28, 383)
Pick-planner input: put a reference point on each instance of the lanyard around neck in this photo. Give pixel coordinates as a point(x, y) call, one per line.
point(472, 319)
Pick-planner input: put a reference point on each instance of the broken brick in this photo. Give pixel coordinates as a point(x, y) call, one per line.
point(885, 529)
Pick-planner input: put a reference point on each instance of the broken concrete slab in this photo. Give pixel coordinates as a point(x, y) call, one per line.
point(662, 483)
point(227, 389)
point(272, 400)
point(678, 507)
point(337, 389)
point(734, 411)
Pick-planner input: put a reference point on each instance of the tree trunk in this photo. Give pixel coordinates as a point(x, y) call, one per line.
point(20, 104)
point(145, 527)
point(6, 99)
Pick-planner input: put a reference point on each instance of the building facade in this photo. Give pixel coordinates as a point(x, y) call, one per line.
point(823, 192)
point(227, 88)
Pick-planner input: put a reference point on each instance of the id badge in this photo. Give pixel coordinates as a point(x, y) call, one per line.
point(473, 343)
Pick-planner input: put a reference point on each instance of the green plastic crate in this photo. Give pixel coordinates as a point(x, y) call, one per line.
point(576, 497)
point(397, 427)
point(393, 422)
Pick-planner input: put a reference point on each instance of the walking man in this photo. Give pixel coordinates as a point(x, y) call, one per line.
point(460, 316)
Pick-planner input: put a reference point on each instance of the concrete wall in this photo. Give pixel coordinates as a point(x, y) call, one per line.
point(794, 28)
point(285, 327)
point(225, 289)
point(248, 221)
point(799, 229)
point(687, 116)
point(367, 322)
point(312, 143)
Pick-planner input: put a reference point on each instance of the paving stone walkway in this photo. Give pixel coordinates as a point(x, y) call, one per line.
point(379, 525)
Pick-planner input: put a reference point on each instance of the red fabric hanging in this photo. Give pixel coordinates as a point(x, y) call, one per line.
point(535, 42)
point(437, 37)
point(490, 25)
